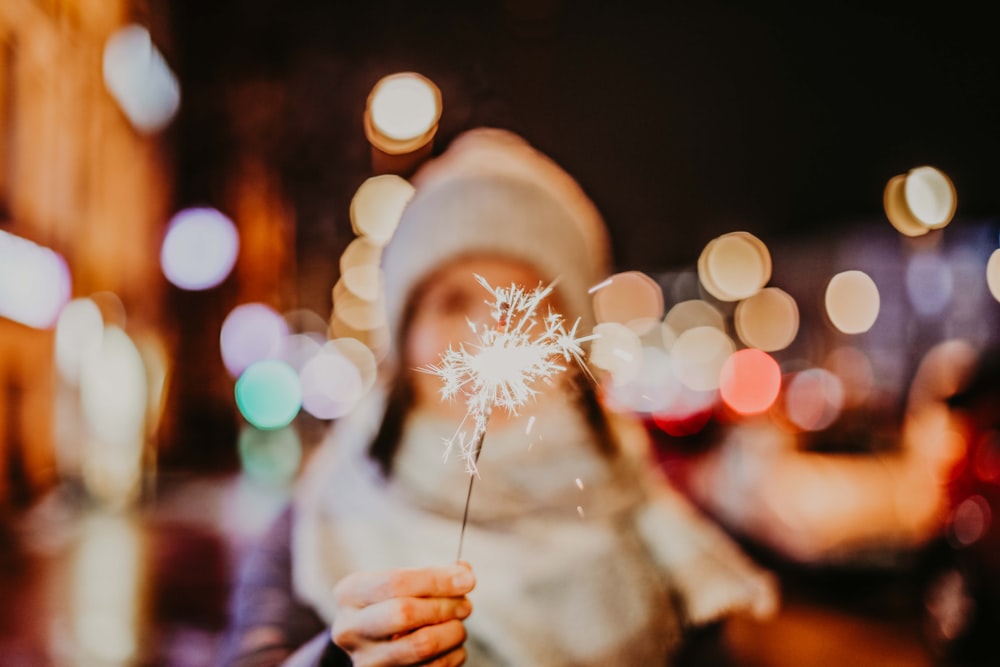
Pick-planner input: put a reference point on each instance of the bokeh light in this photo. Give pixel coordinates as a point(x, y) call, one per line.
point(693, 313)
point(362, 251)
point(360, 355)
point(699, 354)
point(920, 200)
point(618, 350)
point(688, 414)
point(35, 282)
point(993, 274)
point(852, 301)
point(199, 249)
point(364, 282)
point(929, 283)
point(331, 385)
point(268, 394)
point(377, 206)
point(79, 330)
point(768, 320)
point(251, 332)
point(139, 79)
point(930, 195)
point(897, 211)
point(356, 312)
point(113, 389)
point(298, 349)
point(970, 520)
point(114, 397)
point(734, 266)
point(628, 297)
point(814, 399)
point(653, 388)
point(749, 381)
point(404, 106)
point(854, 370)
point(106, 594)
point(270, 457)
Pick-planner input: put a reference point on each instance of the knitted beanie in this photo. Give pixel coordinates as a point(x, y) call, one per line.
point(491, 191)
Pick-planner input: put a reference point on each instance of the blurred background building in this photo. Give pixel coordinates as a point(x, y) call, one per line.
point(192, 196)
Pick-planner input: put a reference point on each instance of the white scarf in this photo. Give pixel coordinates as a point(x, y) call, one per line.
point(578, 561)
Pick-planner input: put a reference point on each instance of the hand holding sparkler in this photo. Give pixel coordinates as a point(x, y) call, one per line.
point(502, 366)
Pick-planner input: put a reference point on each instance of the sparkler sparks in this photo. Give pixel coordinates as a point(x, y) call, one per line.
point(506, 360)
point(501, 367)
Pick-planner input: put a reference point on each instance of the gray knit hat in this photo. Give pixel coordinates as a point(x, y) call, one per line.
point(490, 191)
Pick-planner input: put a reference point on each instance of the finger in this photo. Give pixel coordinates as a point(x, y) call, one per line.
point(402, 615)
point(450, 659)
point(364, 588)
point(424, 644)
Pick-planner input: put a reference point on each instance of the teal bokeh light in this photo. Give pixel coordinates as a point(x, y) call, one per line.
point(270, 457)
point(268, 394)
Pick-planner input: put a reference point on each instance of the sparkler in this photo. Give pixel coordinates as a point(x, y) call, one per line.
point(500, 369)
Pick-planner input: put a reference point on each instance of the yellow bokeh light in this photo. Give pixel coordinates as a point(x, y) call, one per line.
point(377, 206)
point(618, 350)
point(628, 296)
point(920, 200)
point(362, 251)
point(852, 301)
point(768, 320)
point(734, 266)
point(699, 355)
point(404, 106)
point(356, 312)
point(993, 274)
point(693, 313)
point(930, 195)
point(364, 282)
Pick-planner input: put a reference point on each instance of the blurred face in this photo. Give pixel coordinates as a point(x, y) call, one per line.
point(448, 300)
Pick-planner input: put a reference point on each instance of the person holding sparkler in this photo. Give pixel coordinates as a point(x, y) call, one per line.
point(583, 554)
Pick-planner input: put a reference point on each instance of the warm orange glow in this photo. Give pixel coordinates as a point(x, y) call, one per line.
point(750, 381)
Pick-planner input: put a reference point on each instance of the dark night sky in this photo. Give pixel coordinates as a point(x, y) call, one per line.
point(681, 125)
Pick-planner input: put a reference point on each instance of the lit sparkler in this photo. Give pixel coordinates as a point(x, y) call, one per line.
point(504, 363)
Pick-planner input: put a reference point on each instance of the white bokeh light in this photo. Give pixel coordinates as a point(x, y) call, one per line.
point(139, 79)
point(35, 282)
point(404, 106)
point(199, 249)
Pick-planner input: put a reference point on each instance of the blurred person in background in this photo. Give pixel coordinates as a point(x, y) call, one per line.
point(577, 551)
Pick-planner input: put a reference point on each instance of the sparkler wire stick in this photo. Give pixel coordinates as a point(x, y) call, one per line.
point(502, 365)
point(468, 495)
